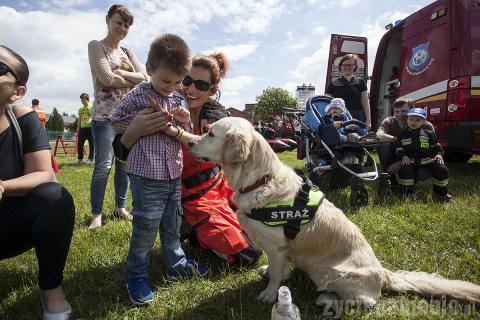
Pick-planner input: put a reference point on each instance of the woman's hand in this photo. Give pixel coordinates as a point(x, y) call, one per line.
point(406, 161)
point(119, 72)
point(2, 190)
point(181, 115)
point(149, 121)
point(439, 159)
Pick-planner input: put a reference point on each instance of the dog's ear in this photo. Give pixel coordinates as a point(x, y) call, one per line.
point(235, 147)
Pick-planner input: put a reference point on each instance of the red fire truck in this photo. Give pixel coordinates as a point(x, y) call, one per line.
point(436, 51)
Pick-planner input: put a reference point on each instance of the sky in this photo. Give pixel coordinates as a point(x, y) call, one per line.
point(270, 43)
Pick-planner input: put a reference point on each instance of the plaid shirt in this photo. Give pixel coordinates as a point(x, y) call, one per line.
point(156, 156)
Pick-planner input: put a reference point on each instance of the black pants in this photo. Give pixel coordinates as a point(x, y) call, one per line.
point(42, 219)
point(439, 172)
point(85, 134)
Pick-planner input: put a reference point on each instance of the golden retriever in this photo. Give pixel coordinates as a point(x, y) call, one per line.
point(330, 248)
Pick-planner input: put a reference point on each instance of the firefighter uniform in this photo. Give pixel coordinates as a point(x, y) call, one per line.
point(421, 146)
point(207, 201)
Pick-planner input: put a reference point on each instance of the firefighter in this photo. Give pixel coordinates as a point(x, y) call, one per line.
point(418, 147)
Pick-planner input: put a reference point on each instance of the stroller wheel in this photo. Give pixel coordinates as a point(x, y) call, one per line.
point(359, 197)
point(384, 187)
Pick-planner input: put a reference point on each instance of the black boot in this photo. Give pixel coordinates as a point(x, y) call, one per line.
point(440, 194)
point(407, 191)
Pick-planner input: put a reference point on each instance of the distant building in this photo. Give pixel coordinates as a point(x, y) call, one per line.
point(239, 113)
point(303, 93)
point(246, 113)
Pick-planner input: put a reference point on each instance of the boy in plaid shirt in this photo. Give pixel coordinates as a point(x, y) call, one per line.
point(154, 166)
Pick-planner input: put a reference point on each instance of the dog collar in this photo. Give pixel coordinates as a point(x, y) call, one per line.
point(257, 184)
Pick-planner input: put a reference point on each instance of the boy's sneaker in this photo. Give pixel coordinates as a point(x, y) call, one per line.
point(191, 269)
point(441, 197)
point(139, 291)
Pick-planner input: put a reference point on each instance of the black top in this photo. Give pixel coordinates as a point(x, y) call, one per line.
point(34, 139)
point(339, 88)
point(417, 144)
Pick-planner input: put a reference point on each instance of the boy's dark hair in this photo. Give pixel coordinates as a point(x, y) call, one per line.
point(22, 71)
point(85, 96)
point(35, 102)
point(126, 15)
point(399, 102)
point(171, 52)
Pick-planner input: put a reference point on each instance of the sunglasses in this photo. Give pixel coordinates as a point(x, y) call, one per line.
point(348, 65)
point(4, 69)
point(201, 85)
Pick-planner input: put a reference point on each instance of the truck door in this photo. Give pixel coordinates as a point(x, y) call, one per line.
point(341, 45)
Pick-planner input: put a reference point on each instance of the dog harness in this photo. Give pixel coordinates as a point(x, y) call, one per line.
point(293, 213)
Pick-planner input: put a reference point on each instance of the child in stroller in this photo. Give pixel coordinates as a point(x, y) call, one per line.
point(335, 153)
point(337, 114)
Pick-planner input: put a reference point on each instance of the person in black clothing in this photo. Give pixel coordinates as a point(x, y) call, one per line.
point(351, 89)
point(34, 212)
point(418, 147)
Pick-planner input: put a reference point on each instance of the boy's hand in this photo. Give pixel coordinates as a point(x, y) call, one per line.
point(439, 159)
point(405, 161)
point(181, 115)
point(337, 124)
point(170, 131)
point(154, 104)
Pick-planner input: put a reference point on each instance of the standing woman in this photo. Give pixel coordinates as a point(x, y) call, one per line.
point(34, 212)
point(115, 70)
point(351, 89)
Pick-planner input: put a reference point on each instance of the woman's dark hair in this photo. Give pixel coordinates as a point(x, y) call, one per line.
point(126, 15)
point(348, 57)
point(21, 69)
point(216, 63)
point(85, 96)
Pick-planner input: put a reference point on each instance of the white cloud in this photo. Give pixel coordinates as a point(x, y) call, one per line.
point(312, 69)
point(233, 86)
point(55, 49)
point(319, 30)
point(348, 3)
point(236, 52)
point(323, 5)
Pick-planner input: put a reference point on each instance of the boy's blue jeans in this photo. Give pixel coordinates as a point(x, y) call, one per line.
point(103, 135)
point(156, 209)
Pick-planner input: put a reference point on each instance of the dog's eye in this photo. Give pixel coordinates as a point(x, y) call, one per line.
point(210, 134)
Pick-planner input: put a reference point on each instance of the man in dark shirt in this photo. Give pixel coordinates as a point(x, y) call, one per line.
point(418, 147)
point(388, 131)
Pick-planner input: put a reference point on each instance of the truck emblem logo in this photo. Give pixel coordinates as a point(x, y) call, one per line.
point(420, 60)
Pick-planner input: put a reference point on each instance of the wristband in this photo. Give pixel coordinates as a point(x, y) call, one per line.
point(180, 132)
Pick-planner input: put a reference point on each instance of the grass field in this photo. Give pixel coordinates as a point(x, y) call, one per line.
point(409, 235)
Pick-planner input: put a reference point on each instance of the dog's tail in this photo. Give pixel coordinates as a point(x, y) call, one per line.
point(430, 284)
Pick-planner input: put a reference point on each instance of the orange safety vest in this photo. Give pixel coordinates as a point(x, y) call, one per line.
point(42, 115)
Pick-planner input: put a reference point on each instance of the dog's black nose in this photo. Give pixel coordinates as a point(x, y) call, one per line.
point(192, 143)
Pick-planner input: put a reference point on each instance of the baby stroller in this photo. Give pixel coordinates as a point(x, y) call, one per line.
point(332, 163)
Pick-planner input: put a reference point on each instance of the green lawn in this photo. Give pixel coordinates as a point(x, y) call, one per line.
point(409, 235)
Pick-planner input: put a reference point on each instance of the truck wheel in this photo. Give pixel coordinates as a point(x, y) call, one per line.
point(457, 157)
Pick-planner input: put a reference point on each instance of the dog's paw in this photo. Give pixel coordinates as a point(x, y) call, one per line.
point(268, 296)
point(263, 271)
